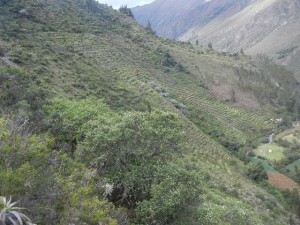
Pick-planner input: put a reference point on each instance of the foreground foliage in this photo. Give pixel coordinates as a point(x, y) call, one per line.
point(135, 152)
point(45, 181)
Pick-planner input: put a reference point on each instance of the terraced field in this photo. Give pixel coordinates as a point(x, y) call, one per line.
point(236, 124)
point(281, 181)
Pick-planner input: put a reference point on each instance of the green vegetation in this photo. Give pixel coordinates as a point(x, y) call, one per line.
point(289, 140)
point(127, 11)
point(30, 170)
point(272, 152)
point(257, 171)
point(149, 28)
point(134, 152)
point(102, 122)
point(292, 166)
point(226, 211)
point(287, 161)
point(264, 163)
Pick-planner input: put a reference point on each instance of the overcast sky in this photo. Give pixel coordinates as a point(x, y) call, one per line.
point(130, 3)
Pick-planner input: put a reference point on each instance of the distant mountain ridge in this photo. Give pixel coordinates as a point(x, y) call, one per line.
point(270, 27)
point(173, 18)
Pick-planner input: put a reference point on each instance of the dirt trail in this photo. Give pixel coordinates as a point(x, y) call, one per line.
point(7, 61)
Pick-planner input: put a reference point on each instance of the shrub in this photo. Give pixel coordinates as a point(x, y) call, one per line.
point(174, 195)
point(133, 151)
point(127, 11)
point(226, 211)
point(257, 173)
point(2, 51)
point(283, 143)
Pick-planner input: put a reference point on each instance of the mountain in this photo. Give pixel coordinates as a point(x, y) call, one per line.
point(174, 18)
point(268, 27)
point(102, 122)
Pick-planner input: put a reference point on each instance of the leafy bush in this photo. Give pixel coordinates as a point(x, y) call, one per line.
point(25, 171)
point(133, 151)
point(174, 195)
point(127, 11)
point(44, 180)
point(256, 172)
point(283, 143)
point(2, 51)
point(220, 210)
point(84, 203)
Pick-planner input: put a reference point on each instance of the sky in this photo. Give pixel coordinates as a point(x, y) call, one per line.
point(130, 3)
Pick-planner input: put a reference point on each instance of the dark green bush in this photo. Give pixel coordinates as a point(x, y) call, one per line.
point(257, 173)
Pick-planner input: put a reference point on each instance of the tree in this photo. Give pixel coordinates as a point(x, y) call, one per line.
point(293, 199)
point(257, 173)
point(226, 210)
point(127, 11)
point(210, 45)
point(2, 52)
point(296, 109)
point(125, 148)
point(93, 6)
point(292, 221)
point(232, 96)
point(149, 28)
point(297, 174)
point(296, 201)
point(174, 194)
point(242, 52)
point(135, 153)
point(47, 182)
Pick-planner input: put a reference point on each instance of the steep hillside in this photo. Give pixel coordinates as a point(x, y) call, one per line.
point(103, 122)
point(250, 26)
point(270, 27)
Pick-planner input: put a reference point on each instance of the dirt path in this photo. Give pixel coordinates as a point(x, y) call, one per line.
point(9, 62)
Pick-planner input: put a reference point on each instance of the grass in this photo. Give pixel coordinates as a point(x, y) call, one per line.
point(291, 138)
point(272, 152)
point(266, 165)
point(291, 167)
point(289, 134)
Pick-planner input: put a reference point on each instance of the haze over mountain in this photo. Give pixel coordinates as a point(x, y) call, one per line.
point(172, 18)
point(257, 26)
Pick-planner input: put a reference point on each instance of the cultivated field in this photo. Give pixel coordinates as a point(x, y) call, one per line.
point(271, 151)
point(281, 181)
